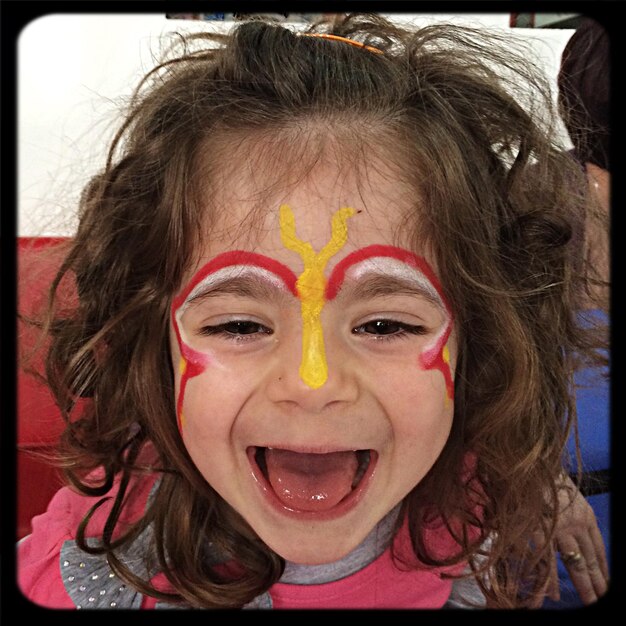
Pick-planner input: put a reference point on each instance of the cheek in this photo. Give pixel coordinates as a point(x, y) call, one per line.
point(418, 405)
point(421, 381)
point(425, 406)
point(208, 412)
point(421, 424)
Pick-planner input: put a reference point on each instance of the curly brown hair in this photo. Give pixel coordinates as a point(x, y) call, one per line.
point(470, 123)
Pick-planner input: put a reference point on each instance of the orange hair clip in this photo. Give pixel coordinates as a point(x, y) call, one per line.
point(358, 44)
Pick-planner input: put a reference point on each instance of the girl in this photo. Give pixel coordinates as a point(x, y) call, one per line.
point(325, 331)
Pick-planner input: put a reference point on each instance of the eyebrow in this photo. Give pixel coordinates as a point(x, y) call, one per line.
point(244, 286)
point(374, 285)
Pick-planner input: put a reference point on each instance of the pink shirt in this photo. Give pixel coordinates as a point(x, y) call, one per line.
point(49, 577)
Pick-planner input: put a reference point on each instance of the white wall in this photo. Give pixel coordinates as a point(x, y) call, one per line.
point(74, 71)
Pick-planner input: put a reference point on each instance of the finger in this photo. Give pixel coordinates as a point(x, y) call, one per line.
point(580, 578)
point(593, 563)
point(584, 578)
point(600, 550)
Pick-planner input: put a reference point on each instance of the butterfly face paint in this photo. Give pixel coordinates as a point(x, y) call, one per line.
point(313, 290)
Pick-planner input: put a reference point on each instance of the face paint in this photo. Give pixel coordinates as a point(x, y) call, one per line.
point(311, 287)
point(218, 270)
point(313, 290)
point(399, 263)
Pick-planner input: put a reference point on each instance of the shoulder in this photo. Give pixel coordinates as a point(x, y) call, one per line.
point(42, 554)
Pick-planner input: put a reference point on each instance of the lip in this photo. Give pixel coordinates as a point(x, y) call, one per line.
point(345, 505)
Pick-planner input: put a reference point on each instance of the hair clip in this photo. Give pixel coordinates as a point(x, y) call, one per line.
point(358, 44)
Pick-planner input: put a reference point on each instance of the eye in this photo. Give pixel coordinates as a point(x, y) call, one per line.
point(384, 328)
point(236, 329)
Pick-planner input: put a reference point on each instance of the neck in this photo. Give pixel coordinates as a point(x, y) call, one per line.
point(378, 540)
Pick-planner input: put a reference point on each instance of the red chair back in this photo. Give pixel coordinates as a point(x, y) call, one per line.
point(39, 422)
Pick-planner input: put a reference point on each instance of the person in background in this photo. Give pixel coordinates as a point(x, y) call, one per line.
point(583, 532)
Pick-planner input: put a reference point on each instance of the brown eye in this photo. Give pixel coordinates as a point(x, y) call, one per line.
point(236, 328)
point(381, 328)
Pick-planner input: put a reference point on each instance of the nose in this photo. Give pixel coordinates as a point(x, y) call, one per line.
point(287, 388)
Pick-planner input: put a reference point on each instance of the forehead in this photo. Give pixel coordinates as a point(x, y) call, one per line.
point(244, 194)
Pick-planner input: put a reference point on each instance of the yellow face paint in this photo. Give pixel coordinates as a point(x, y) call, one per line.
point(445, 353)
point(311, 286)
point(445, 356)
point(182, 368)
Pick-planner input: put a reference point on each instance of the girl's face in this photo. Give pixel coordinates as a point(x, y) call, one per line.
point(314, 360)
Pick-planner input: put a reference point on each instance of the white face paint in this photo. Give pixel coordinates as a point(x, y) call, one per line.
point(212, 283)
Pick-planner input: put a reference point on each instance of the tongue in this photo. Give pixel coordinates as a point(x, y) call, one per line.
point(311, 482)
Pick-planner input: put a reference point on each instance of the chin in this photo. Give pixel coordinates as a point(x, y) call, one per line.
point(315, 552)
point(314, 543)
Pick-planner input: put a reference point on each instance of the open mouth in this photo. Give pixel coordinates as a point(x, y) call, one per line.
point(312, 482)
